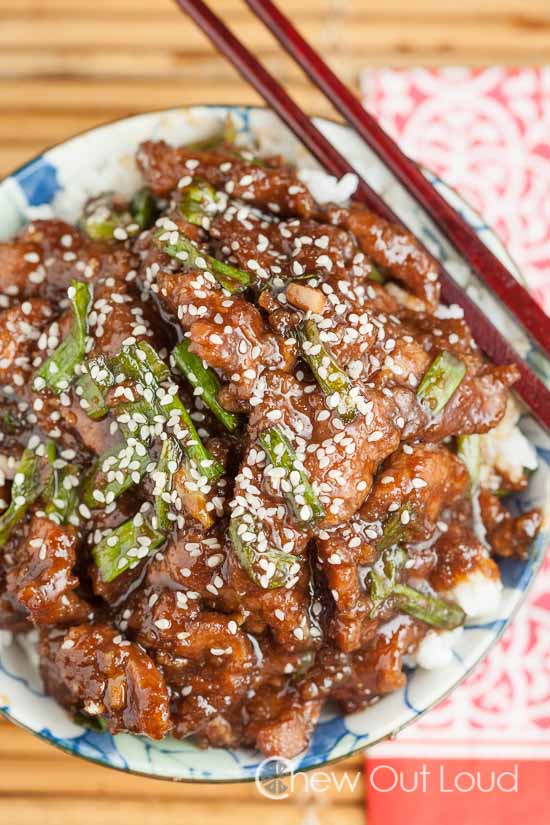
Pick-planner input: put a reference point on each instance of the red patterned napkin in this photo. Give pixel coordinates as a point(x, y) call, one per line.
point(487, 132)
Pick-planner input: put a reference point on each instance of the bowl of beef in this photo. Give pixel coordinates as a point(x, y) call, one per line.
point(261, 493)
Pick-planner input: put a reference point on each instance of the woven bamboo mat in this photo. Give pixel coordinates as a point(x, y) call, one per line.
point(66, 65)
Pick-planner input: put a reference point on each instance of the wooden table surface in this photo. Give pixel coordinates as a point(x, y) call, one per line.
point(67, 65)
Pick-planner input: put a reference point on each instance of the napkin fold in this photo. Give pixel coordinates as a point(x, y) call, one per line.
point(487, 133)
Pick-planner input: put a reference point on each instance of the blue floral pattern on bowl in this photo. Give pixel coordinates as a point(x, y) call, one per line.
point(57, 183)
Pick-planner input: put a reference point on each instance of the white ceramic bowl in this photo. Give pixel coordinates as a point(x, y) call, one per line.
point(56, 184)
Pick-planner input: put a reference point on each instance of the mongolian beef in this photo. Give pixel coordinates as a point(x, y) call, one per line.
point(249, 463)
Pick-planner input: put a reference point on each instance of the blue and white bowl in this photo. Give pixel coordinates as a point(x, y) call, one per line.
point(56, 184)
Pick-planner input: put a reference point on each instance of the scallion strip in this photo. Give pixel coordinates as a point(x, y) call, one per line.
point(125, 546)
point(141, 362)
point(135, 419)
point(168, 465)
point(393, 532)
point(105, 220)
point(184, 250)
point(143, 208)
point(97, 724)
point(198, 201)
point(91, 397)
point(10, 424)
point(442, 378)
point(32, 475)
point(333, 381)
point(114, 472)
point(395, 528)
point(469, 452)
point(100, 372)
point(205, 462)
point(382, 576)
point(376, 276)
point(267, 568)
point(429, 609)
point(58, 369)
point(204, 379)
point(382, 584)
point(64, 497)
point(297, 487)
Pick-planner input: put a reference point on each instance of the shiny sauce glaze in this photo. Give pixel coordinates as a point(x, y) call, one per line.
point(240, 449)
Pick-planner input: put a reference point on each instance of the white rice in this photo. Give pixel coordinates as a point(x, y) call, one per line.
point(505, 451)
point(29, 643)
point(6, 638)
point(326, 188)
point(435, 650)
point(477, 594)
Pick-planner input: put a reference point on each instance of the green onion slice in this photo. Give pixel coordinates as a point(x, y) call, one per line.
point(206, 381)
point(177, 245)
point(382, 584)
point(125, 546)
point(31, 479)
point(168, 464)
point(332, 379)
point(198, 201)
point(143, 208)
point(469, 452)
point(302, 497)
point(114, 472)
point(268, 568)
point(58, 370)
point(442, 378)
point(64, 497)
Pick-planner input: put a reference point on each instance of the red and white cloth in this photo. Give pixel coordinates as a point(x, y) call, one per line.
point(487, 133)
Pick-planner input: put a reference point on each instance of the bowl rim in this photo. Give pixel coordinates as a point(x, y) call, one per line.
point(537, 563)
point(308, 768)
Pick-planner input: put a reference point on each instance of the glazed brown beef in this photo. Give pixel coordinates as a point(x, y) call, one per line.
point(243, 488)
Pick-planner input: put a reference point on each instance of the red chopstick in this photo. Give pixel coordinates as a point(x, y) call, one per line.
point(529, 387)
point(490, 270)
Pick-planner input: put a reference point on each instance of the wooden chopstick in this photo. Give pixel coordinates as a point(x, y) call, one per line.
point(490, 270)
point(529, 387)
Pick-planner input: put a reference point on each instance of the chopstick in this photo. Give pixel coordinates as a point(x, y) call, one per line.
point(490, 270)
point(529, 387)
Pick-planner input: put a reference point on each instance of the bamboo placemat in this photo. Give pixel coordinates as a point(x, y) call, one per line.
point(40, 785)
point(66, 66)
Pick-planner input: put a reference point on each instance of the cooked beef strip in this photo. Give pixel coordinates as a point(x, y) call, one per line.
point(111, 677)
point(181, 636)
point(41, 579)
point(508, 536)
